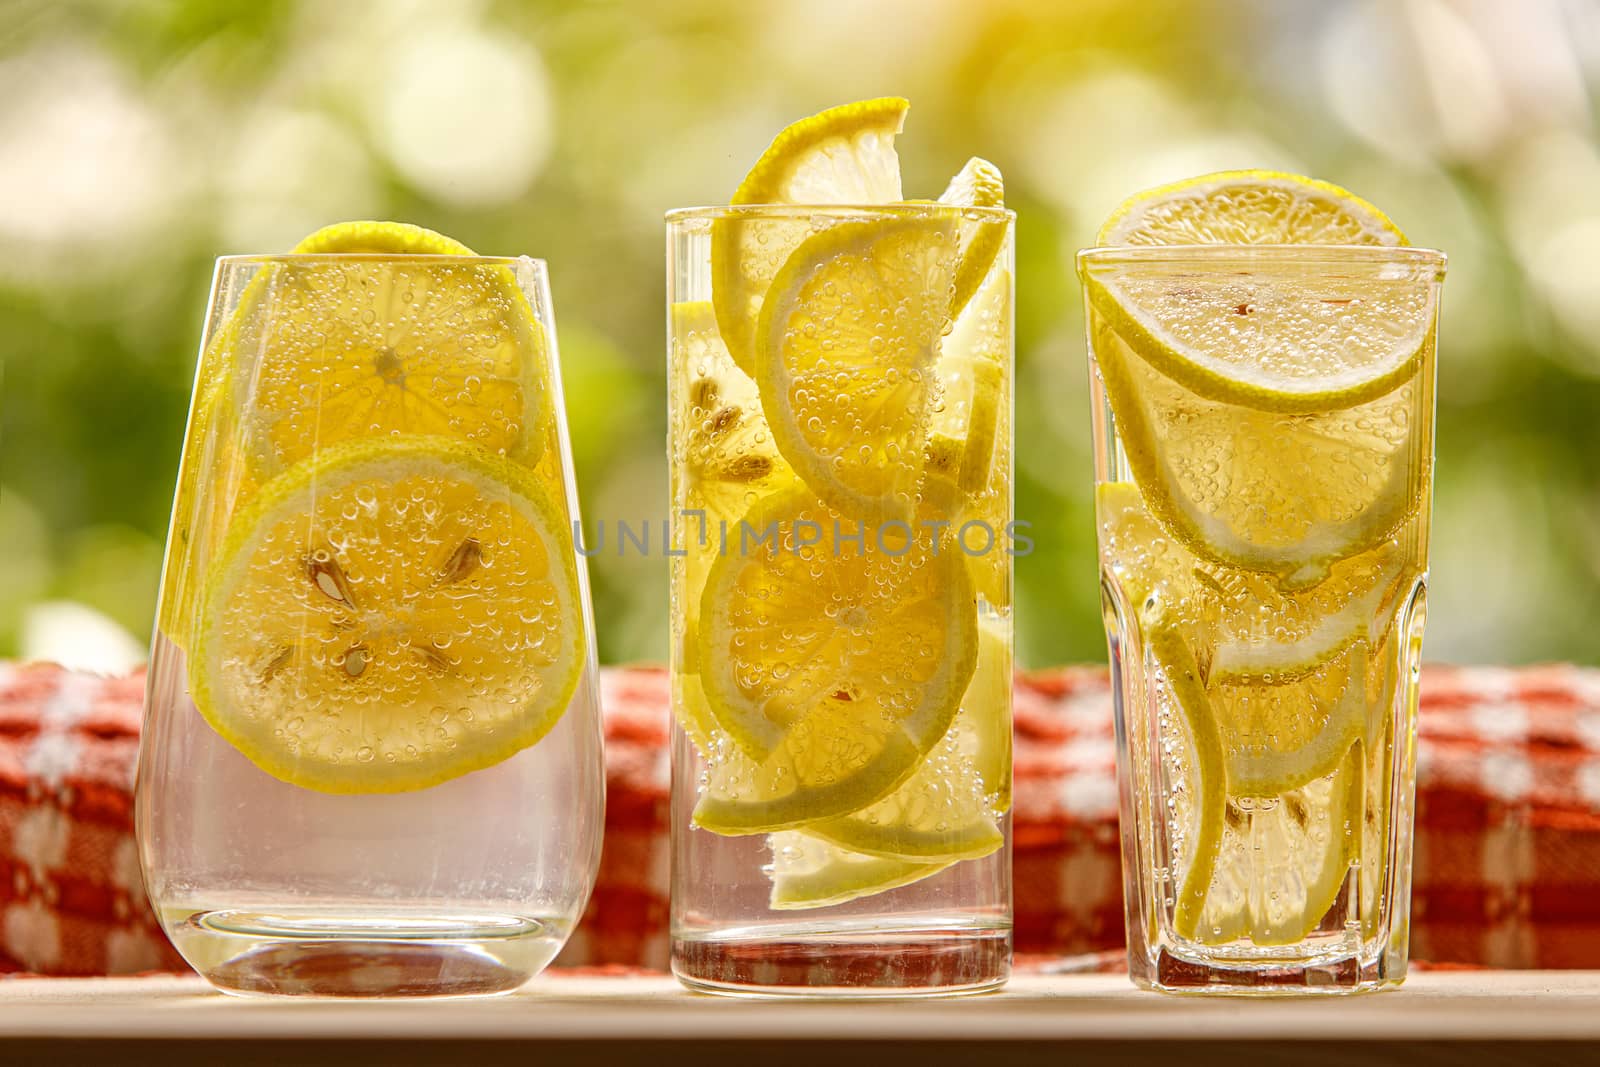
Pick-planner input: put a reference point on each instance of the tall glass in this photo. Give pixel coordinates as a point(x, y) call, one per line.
point(840, 410)
point(371, 761)
point(1263, 426)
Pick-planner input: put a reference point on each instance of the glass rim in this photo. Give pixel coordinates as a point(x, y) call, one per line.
point(714, 212)
point(1424, 262)
point(256, 259)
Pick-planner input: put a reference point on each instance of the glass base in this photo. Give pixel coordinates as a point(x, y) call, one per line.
point(816, 960)
point(1166, 972)
point(365, 954)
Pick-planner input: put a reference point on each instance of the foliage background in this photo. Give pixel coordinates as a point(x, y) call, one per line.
point(138, 140)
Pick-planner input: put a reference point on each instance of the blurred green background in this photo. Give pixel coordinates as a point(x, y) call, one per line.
point(140, 140)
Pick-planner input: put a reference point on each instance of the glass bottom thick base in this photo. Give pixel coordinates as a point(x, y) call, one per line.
point(364, 954)
point(1167, 972)
point(832, 960)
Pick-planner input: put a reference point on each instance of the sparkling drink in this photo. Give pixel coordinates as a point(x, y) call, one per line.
point(1263, 421)
point(840, 406)
point(371, 759)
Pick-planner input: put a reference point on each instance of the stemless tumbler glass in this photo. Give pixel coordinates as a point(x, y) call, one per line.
point(371, 762)
point(840, 414)
point(1263, 499)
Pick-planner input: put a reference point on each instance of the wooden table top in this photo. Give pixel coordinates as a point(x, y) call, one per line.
point(1451, 1017)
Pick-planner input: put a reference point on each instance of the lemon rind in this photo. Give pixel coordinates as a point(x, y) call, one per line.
point(972, 841)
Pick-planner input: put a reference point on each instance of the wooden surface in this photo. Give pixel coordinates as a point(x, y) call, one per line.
point(1452, 1017)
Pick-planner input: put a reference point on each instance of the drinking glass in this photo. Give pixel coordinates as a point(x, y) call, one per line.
point(840, 412)
point(1263, 516)
point(371, 761)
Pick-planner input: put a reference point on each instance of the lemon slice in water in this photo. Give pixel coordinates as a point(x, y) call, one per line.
point(845, 358)
point(946, 810)
point(1282, 861)
point(729, 461)
point(342, 348)
point(1279, 736)
point(1257, 632)
point(831, 669)
point(290, 397)
point(970, 440)
point(1286, 495)
point(389, 615)
point(202, 504)
point(1267, 867)
point(807, 872)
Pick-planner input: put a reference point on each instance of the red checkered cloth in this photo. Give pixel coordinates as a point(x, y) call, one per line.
point(71, 897)
point(1507, 854)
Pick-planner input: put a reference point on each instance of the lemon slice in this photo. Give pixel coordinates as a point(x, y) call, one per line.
point(1263, 867)
point(1303, 340)
point(1268, 635)
point(388, 615)
point(1155, 570)
point(978, 184)
point(844, 155)
point(833, 664)
point(723, 457)
point(948, 809)
point(971, 369)
point(1279, 737)
point(807, 872)
point(342, 348)
point(983, 725)
point(845, 354)
point(1258, 632)
point(1248, 207)
point(1283, 861)
point(1190, 771)
point(1268, 417)
point(1377, 764)
point(366, 237)
point(1287, 495)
